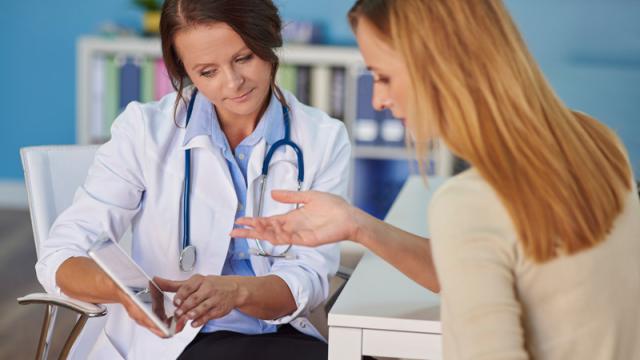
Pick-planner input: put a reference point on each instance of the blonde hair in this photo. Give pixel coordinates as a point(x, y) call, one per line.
point(561, 175)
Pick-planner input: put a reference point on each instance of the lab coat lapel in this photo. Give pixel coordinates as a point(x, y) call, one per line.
point(213, 204)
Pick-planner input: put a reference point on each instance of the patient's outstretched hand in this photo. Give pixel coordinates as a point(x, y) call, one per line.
point(323, 218)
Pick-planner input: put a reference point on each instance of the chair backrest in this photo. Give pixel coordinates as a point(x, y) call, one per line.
point(409, 210)
point(52, 176)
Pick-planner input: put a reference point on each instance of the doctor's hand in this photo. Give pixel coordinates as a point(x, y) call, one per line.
point(136, 314)
point(324, 218)
point(202, 298)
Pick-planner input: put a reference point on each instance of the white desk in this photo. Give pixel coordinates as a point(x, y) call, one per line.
point(381, 312)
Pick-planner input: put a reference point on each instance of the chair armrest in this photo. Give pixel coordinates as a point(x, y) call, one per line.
point(82, 307)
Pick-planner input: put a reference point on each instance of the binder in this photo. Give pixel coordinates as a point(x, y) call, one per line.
point(303, 84)
point(111, 92)
point(162, 81)
point(98, 86)
point(129, 82)
point(392, 131)
point(286, 78)
point(321, 88)
point(338, 92)
point(366, 124)
point(377, 184)
point(147, 79)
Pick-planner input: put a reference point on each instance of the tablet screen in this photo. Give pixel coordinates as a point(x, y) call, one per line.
point(130, 277)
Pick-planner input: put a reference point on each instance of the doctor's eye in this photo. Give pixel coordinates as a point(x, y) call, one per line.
point(244, 59)
point(208, 73)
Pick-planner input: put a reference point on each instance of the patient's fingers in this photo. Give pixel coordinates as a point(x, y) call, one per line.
point(291, 197)
point(246, 221)
point(263, 229)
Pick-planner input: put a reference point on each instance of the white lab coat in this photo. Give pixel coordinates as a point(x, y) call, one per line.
point(137, 180)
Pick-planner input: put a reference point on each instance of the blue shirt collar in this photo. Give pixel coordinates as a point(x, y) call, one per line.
point(204, 121)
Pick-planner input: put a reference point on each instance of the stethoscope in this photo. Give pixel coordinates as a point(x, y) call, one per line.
point(188, 253)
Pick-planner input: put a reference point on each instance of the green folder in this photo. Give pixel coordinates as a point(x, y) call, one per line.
point(286, 77)
point(147, 80)
point(111, 93)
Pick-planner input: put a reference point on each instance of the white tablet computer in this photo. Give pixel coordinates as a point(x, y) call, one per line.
point(135, 283)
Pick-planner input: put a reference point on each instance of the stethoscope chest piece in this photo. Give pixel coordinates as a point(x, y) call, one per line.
point(188, 258)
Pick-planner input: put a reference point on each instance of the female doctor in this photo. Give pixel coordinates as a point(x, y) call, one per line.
point(180, 171)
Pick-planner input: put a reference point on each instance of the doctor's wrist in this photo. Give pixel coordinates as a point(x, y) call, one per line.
point(242, 291)
point(111, 292)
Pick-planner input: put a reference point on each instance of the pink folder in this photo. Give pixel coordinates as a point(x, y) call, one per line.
point(163, 84)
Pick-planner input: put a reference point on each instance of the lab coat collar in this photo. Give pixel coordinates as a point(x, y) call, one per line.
point(204, 129)
point(200, 123)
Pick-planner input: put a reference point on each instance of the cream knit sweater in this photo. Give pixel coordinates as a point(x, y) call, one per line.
point(497, 304)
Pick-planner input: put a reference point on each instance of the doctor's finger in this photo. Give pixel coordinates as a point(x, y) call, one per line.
point(202, 296)
point(198, 309)
point(189, 287)
point(208, 310)
point(180, 323)
point(140, 317)
point(211, 314)
point(167, 285)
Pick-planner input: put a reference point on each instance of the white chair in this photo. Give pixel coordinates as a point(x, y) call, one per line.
point(52, 175)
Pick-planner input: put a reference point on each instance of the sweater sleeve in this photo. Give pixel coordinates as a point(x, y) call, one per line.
point(474, 248)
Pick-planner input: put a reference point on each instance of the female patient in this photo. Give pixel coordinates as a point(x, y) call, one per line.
point(536, 246)
point(238, 300)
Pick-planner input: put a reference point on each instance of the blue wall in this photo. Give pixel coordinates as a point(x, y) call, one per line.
point(37, 70)
point(589, 49)
point(590, 52)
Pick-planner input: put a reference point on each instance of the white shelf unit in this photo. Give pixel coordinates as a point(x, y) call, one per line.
point(307, 55)
point(331, 56)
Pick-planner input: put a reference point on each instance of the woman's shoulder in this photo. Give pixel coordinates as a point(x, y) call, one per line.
point(466, 187)
point(467, 203)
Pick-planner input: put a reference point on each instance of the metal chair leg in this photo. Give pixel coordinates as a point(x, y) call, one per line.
point(43, 343)
point(53, 303)
point(77, 328)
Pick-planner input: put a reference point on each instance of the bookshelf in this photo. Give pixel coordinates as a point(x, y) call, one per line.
point(90, 47)
point(322, 63)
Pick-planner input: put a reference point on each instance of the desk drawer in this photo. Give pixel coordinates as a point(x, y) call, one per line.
point(397, 344)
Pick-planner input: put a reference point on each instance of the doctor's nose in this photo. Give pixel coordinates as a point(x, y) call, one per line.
point(234, 80)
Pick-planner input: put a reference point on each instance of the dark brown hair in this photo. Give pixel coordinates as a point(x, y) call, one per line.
point(257, 22)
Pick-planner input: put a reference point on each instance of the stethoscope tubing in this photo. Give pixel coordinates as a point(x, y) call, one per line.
point(286, 141)
point(187, 182)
